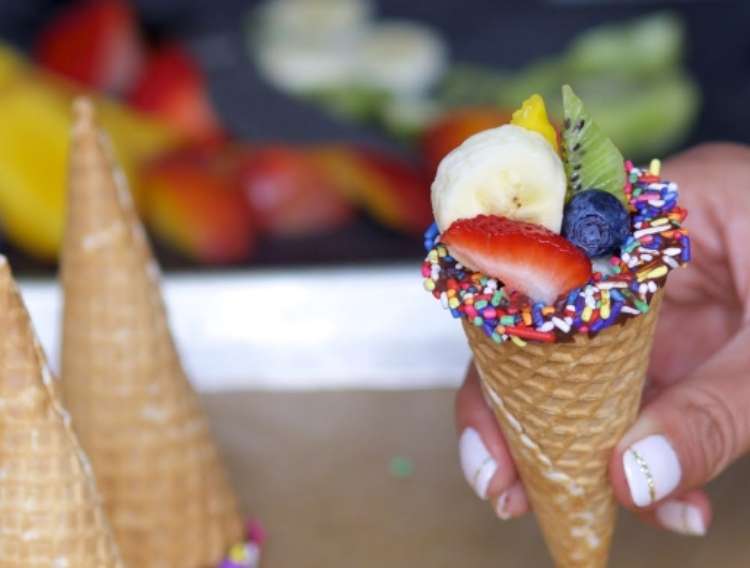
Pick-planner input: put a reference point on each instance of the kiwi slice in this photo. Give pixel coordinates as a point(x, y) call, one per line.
point(592, 161)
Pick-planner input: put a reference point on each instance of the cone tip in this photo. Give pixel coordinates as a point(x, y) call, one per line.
point(4, 265)
point(83, 112)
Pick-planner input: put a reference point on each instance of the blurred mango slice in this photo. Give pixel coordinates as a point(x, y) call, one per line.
point(451, 128)
point(34, 133)
point(390, 190)
point(9, 64)
point(195, 205)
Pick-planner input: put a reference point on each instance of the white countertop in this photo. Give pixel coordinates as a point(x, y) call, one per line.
point(302, 329)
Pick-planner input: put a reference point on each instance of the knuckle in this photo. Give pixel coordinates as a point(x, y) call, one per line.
point(458, 402)
point(714, 429)
point(725, 153)
point(462, 401)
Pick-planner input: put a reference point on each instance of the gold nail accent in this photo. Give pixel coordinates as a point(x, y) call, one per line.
point(685, 522)
point(643, 466)
point(503, 502)
point(487, 460)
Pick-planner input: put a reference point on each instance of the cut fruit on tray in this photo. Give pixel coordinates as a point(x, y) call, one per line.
point(454, 126)
point(302, 46)
point(649, 121)
point(402, 58)
point(647, 106)
point(172, 87)
point(34, 139)
point(407, 117)
point(333, 50)
point(652, 43)
point(195, 205)
point(290, 194)
point(391, 191)
point(97, 44)
point(305, 67)
point(309, 20)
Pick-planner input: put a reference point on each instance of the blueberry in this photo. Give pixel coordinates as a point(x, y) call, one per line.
point(596, 221)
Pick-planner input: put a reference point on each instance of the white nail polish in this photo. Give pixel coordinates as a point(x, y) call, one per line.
point(682, 518)
point(652, 469)
point(501, 509)
point(478, 465)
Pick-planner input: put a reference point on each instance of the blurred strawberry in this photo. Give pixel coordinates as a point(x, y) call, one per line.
point(290, 194)
point(94, 42)
point(194, 204)
point(172, 87)
point(393, 192)
point(455, 126)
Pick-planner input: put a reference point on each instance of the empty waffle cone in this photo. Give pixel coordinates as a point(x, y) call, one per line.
point(138, 418)
point(563, 407)
point(50, 512)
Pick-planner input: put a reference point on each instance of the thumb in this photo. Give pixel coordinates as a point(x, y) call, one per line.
point(690, 433)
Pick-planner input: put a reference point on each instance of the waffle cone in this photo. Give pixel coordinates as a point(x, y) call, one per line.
point(50, 512)
point(156, 463)
point(563, 407)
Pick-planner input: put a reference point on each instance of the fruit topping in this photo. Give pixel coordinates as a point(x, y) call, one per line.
point(533, 116)
point(592, 161)
point(596, 221)
point(525, 257)
point(507, 171)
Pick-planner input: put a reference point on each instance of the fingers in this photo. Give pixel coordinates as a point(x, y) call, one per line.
point(688, 434)
point(689, 514)
point(485, 459)
point(512, 502)
point(490, 471)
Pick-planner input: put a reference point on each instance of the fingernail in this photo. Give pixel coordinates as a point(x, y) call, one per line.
point(682, 518)
point(478, 465)
point(502, 508)
point(652, 469)
point(512, 503)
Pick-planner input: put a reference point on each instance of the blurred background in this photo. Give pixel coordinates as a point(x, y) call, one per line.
point(280, 153)
point(305, 132)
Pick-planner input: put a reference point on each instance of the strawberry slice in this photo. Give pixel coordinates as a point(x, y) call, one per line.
point(173, 87)
point(525, 257)
point(94, 42)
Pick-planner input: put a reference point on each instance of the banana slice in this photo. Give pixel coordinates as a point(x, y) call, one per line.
point(507, 171)
point(403, 58)
point(305, 45)
point(302, 68)
point(313, 20)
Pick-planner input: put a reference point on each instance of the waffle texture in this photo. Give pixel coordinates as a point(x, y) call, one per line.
point(50, 512)
point(562, 408)
point(138, 418)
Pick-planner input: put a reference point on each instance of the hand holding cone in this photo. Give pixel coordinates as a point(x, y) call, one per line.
point(561, 325)
point(50, 511)
point(160, 473)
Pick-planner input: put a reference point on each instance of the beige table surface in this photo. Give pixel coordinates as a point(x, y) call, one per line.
point(314, 467)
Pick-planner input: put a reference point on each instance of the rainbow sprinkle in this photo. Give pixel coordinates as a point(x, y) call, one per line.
point(621, 286)
point(246, 554)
